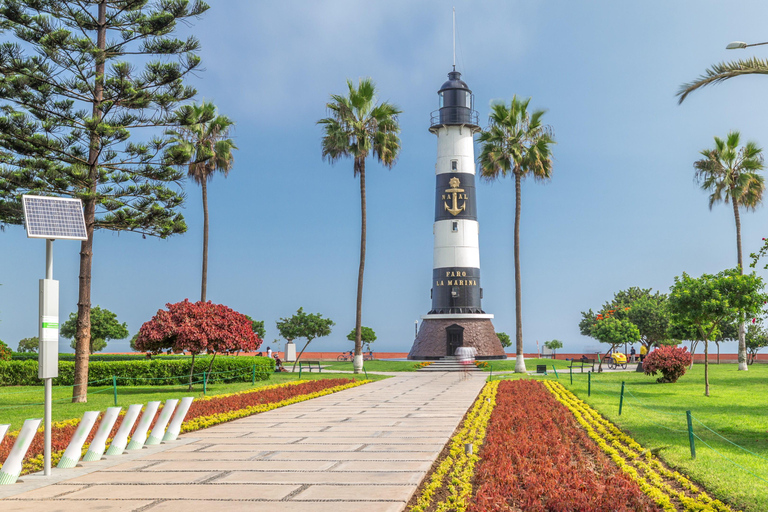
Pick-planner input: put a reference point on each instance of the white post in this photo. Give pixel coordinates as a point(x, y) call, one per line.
point(140, 435)
point(3, 430)
point(121, 438)
point(11, 469)
point(174, 427)
point(99, 442)
point(75, 449)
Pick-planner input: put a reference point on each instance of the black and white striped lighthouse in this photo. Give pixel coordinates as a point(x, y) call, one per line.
point(456, 318)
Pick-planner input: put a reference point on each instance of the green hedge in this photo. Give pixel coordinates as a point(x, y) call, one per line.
point(32, 356)
point(143, 373)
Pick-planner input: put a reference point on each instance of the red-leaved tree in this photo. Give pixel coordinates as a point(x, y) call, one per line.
point(197, 327)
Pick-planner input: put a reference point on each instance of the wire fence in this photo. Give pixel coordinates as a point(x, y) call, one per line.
point(623, 395)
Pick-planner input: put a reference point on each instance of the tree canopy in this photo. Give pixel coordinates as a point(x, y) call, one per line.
point(104, 328)
point(304, 325)
point(368, 336)
point(504, 339)
point(29, 344)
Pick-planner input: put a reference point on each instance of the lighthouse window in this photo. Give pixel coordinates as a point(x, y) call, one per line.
point(442, 100)
point(455, 227)
point(454, 165)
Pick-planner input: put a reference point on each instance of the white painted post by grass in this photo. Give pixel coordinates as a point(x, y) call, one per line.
point(75, 449)
point(11, 469)
point(140, 435)
point(3, 430)
point(174, 427)
point(121, 438)
point(99, 443)
point(165, 416)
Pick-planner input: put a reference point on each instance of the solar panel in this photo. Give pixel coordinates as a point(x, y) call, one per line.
point(54, 217)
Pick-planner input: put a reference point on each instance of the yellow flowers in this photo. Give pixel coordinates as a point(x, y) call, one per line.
point(456, 470)
point(669, 489)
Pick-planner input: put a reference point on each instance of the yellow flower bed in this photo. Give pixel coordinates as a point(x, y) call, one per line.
point(640, 464)
point(456, 470)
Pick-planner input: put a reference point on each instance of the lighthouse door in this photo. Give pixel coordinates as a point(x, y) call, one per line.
point(454, 338)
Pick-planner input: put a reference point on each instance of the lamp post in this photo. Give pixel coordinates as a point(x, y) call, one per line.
point(737, 45)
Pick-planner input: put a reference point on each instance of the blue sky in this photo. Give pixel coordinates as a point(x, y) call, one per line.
point(621, 210)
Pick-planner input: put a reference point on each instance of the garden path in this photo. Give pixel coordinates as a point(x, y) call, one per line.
point(365, 448)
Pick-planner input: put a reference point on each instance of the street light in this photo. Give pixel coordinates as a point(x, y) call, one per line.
point(737, 45)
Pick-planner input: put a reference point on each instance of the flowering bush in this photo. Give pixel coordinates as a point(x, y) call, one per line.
point(423, 364)
point(482, 364)
point(5, 352)
point(672, 362)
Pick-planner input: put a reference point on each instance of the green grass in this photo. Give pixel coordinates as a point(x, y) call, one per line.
point(13, 399)
point(654, 414)
point(508, 365)
point(372, 366)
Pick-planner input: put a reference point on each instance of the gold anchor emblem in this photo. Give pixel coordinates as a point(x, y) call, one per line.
point(455, 190)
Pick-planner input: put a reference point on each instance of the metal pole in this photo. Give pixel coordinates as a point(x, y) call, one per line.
point(253, 379)
point(621, 398)
point(114, 388)
point(690, 434)
point(205, 383)
point(555, 370)
point(589, 383)
point(48, 399)
point(571, 370)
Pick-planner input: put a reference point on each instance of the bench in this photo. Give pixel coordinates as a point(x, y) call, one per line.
point(580, 363)
point(309, 365)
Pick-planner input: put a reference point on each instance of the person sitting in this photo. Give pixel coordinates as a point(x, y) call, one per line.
point(279, 365)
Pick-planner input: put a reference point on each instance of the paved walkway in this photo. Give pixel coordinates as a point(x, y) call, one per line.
point(365, 448)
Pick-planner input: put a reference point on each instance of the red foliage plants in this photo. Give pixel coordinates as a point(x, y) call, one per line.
point(672, 362)
point(537, 458)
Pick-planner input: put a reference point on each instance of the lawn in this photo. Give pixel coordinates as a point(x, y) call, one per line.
point(655, 415)
point(14, 399)
point(372, 366)
point(508, 365)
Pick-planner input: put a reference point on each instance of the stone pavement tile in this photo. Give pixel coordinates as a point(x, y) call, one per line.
point(385, 465)
point(142, 477)
point(43, 493)
point(404, 448)
point(202, 456)
point(413, 456)
point(130, 465)
point(9, 505)
point(356, 492)
point(196, 491)
point(251, 465)
point(323, 477)
point(274, 447)
point(272, 506)
point(370, 440)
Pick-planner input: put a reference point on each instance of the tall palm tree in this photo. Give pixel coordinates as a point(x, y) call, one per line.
point(723, 71)
point(730, 173)
point(358, 126)
point(202, 145)
point(517, 143)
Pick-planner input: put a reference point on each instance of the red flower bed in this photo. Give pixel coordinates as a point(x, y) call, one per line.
point(61, 432)
point(537, 458)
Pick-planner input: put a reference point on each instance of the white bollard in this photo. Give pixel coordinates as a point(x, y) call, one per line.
point(165, 416)
point(140, 435)
point(121, 438)
point(3, 430)
point(75, 449)
point(174, 427)
point(11, 469)
point(99, 443)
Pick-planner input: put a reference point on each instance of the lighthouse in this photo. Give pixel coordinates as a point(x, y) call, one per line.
point(456, 318)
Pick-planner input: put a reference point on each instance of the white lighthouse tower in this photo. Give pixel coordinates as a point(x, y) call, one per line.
point(456, 318)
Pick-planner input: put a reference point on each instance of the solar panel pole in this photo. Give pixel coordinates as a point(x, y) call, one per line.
point(48, 381)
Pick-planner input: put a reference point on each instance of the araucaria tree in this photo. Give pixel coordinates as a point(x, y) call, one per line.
point(730, 173)
point(356, 128)
point(104, 327)
point(304, 325)
point(84, 95)
point(708, 302)
point(201, 144)
point(198, 328)
point(516, 143)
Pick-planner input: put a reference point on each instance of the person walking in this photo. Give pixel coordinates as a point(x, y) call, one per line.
point(269, 352)
point(632, 354)
point(643, 352)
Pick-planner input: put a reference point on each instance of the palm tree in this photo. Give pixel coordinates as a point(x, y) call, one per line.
point(201, 145)
point(723, 71)
point(517, 143)
point(730, 173)
point(356, 127)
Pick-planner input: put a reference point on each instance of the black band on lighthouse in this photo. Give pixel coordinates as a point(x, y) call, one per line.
point(455, 196)
point(455, 290)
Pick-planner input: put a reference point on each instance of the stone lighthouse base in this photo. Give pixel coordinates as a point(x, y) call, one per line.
point(440, 335)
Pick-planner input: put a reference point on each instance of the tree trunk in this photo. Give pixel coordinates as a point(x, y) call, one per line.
point(191, 372)
point(298, 358)
point(742, 332)
point(693, 351)
point(204, 285)
point(83, 334)
point(519, 360)
point(357, 365)
point(706, 368)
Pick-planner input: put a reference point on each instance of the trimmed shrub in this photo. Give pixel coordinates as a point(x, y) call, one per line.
point(671, 362)
point(143, 373)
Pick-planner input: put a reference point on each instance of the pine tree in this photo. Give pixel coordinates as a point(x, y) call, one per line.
point(85, 93)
